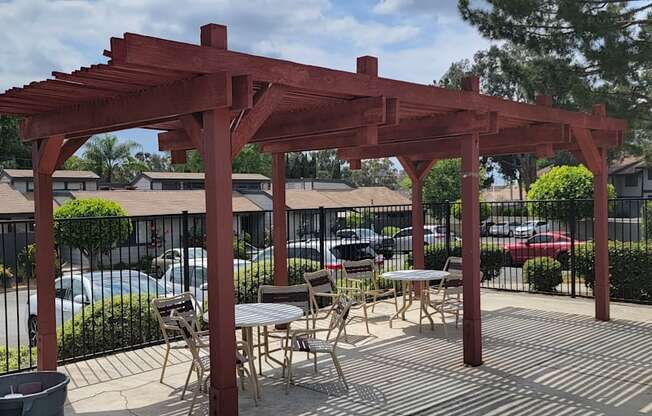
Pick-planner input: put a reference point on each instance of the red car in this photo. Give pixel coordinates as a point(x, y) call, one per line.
point(553, 244)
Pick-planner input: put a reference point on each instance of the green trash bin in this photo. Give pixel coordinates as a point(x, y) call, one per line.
point(38, 393)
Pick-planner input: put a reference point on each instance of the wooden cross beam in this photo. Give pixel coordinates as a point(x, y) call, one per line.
point(417, 170)
point(367, 135)
point(48, 153)
point(508, 138)
point(324, 119)
point(69, 148)
point(133, 109)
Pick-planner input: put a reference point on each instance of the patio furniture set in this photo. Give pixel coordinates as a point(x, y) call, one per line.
point(306, 306)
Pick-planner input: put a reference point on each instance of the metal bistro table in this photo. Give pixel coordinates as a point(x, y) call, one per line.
point(252, 315)
point(407, 279)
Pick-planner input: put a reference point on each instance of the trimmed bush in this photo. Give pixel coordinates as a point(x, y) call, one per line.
point(19, 359)
point(485, 210)
point(630, 269)
point(390, 230)
point(492, 258)
point(27, 262)
point(542, 273)
point(552, 193)
point(112, 324)
point(6, 276)
point(262, 273)
point(646, 223)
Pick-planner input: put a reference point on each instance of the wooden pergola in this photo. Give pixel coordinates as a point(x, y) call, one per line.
point(208, 98)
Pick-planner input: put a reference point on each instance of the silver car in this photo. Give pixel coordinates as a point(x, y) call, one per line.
point(531, 228)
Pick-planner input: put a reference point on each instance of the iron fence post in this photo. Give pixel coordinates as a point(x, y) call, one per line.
point(573, 236)
point(186, 260)
point(322, 235)
point(447, 214)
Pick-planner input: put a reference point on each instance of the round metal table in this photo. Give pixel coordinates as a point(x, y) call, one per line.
point(407, 279)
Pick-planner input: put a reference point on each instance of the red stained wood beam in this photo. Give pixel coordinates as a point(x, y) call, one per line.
point(193, 126)
point(589, 150)
point(358, 137)
point(143, 50)
point(133, 109)
point(265, 103)
point(178, 157)
point(355, 164)
point(460, 123)
point(243, 92)
point(279, 228)
point(48, 154)
point(601, 239)
point(174, 140)
point(355, 113)
point(69, 148)
point(513, 139)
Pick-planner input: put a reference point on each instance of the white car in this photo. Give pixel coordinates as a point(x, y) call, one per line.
point(335, 251)
point(431, 234)
point(74, 291)
point(504, 229)
point(531, 228)
point(198, 273)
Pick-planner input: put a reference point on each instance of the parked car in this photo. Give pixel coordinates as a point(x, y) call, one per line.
point(431, 235)
point(504, 229)
point(380, 244)
point(485, 228)
point(531, 228)
point(336, 251)
point(175, 255)
point(198, 273)
point(74, 291)
point(554, 244)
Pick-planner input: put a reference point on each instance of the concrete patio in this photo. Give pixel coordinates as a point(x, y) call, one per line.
point(543, 355)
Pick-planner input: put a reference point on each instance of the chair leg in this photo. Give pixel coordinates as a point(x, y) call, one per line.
point(366, 318)
point(185, 386)
point(336, 362)
point(165, 361)
point(443, 320)
point(194, 398)
point(315, 362)
point(253, 381)
point(289, 375)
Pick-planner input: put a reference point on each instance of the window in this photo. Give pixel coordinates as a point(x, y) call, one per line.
point(538, 239)
point(649, 174)
point(63, 289)
point(631, 180)
point(404, 233)
point(170, 186)
point(346, 234)
point(353, 252)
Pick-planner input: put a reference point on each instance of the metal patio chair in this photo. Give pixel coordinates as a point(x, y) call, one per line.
point(446, 297)
point(305, 340)
point(363, 274)
point(184, 305)
point(200, 363)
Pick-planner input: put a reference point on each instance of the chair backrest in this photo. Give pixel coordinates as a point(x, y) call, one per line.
point(184, 305)
point(359, 270)
point(340, 316)
point(190, 336)
point(296, 295)
point(453, 282)
point(320, 281)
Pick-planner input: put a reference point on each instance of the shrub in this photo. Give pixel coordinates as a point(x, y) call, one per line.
point(239, 249)
point(492, 258)
point(91, 236)
point(552, 192)
point(360, 219)
point(630, 268)
point(646, 223)
point(485, 210)
point(111, 324)
point(19, 358)
point(390, 230)
point(6, 276)
point(542, 273)
point(262, 273)
point(27, 262)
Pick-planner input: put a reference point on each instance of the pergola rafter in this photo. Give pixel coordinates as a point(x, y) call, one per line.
point(208, 98)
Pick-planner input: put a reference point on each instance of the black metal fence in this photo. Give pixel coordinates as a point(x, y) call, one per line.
point(109, 269)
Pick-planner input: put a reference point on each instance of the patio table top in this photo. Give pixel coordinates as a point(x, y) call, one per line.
point(415, 275)
point(263, 314)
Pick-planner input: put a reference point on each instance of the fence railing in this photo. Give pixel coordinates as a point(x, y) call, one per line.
point(109, 269)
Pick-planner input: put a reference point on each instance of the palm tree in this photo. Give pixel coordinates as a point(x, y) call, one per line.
point(104, 154)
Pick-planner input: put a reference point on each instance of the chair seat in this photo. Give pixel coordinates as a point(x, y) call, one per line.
point(312, 345)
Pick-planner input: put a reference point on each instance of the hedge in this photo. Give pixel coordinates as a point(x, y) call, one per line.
point(262, 273)
point(492, 258)
point(19, 359)
point(390, 231)
point(112, 324)
point(542, 273)
point(630, 269)
point(485, 210)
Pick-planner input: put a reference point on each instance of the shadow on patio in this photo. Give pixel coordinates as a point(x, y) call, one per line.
point(536, 363)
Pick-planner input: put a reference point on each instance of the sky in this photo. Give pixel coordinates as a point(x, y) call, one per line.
point(414, 40)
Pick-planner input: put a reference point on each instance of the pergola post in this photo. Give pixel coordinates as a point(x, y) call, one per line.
point(215, 146)
point(279, 219)
point(601, 239)
point(219, 244)
point(472, 338)
point(45, 267)
point(418, 250)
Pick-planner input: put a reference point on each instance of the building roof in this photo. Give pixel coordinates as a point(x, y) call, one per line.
point(137, 202)
point(13, 202)
point(627, 165)
point(199, 176)
point(341, 198)
point(58, 174)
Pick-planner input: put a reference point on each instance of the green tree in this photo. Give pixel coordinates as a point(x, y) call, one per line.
point(77, 225)
point(376, 172)
point(104, 155)
point(329, 166)
point(27, 262)
point(485, 210)
point(552, 193)
point(13, 152)
point(75, 162)
point(443, 182)
point(252, 160)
